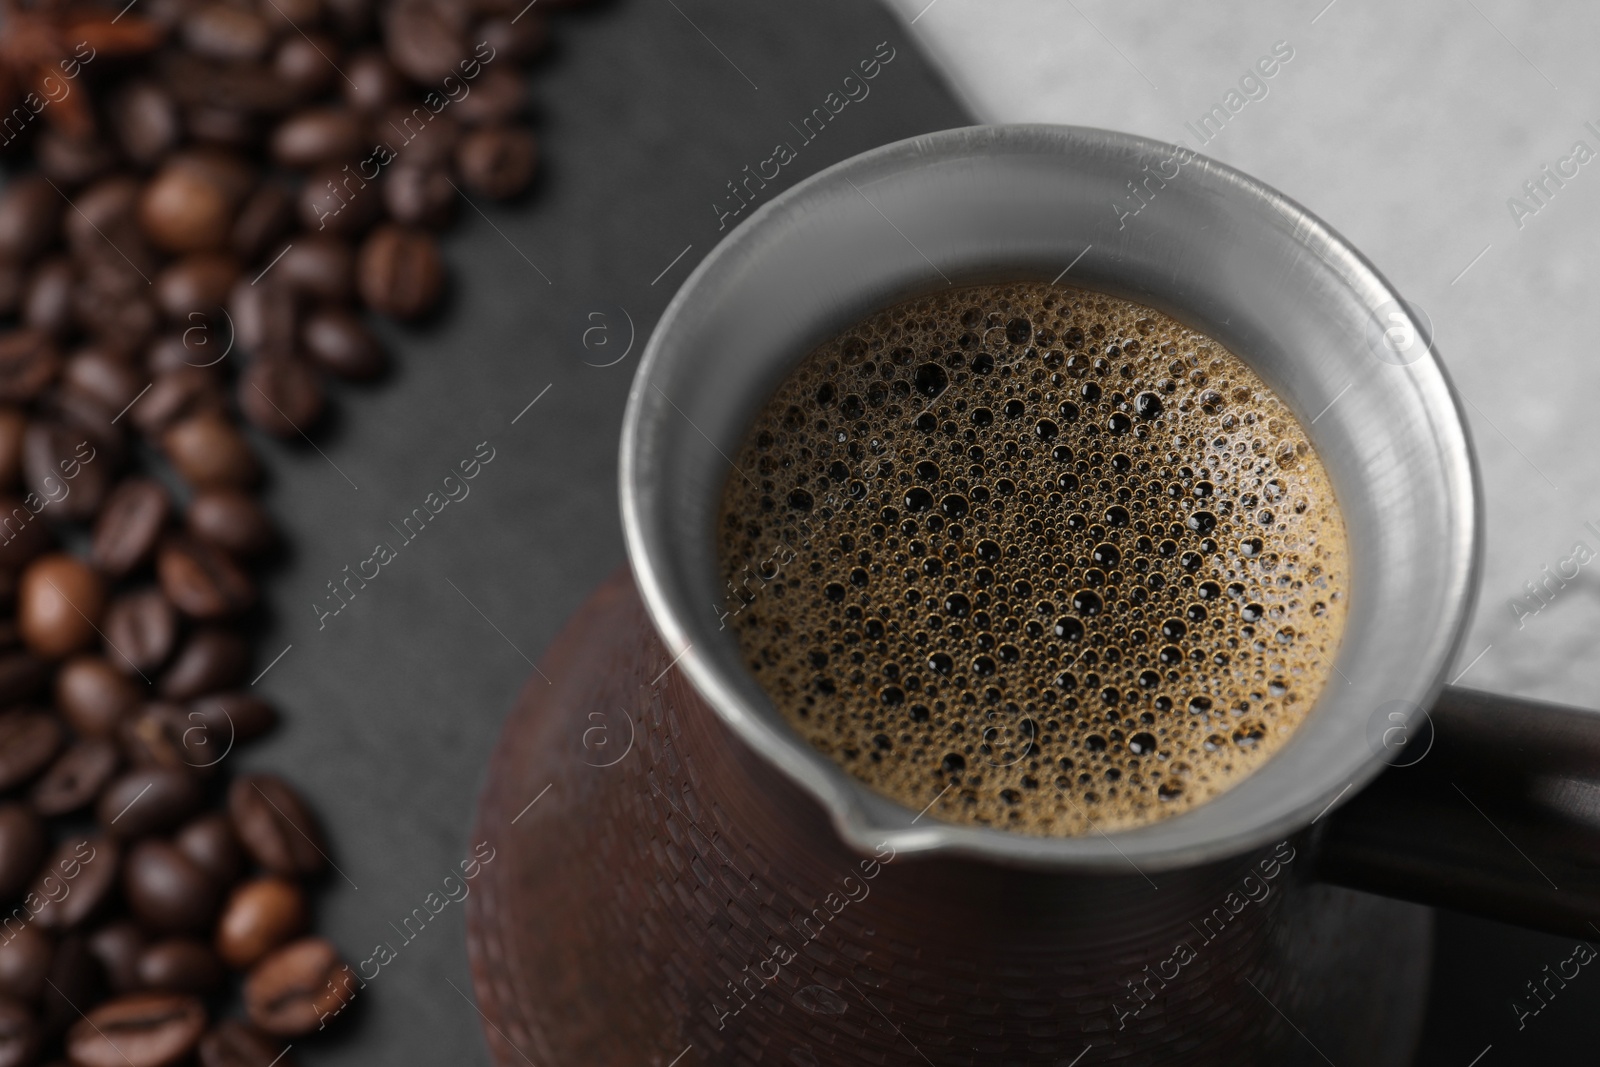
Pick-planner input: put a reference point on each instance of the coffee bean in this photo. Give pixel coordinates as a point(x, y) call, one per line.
point(425, 40)
point(22, 845)
point(237, 1044)
point(233, 521)
point(118, 946)
point(145, 121)
point(517, 39)
point(23, 536)
point(319, 267)
point(293, 990)
point(20, 1036)
point(59, 464)
point(138, 1030)
point(337, 201)
point(399, 272)
point(29, 740)
point(210, 842)
point(373, 84)
point(281, 395)
point(104, 377)
point(140, 631)
point(25, 962)
point(59, 604)
point(162, 735)
point(76, 777)
point(307, 62)
point(103, 224)
point(430, 139)
point(223, 127)
point(75, 978)
point(289, 15)
point(210, 660)
point(12, 425)
point(419, 196)
point(178, 394)
point(209, 452)
point(260, 915)
point(275, 826)
point(225, 32)
point(180, 965)
point(237, 716)
point(29, 213)
point(191, 203)
point(497, 161)
point(263, 220)
point(340, 343)
point(148, 800)
point(28, 363)
point(94, 696)
point(265, 314)
point(498, 96)
point(201, 581)
point(166, 891)
point(196, 284)
point(129, 525)
point(47, 297)
point(69, 159)
point(76, 881)
point(317, 135)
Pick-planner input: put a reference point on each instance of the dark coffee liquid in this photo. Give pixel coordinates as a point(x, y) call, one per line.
point(1035, 558)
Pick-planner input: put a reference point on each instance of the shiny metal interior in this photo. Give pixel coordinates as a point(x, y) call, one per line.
point(1209, 246)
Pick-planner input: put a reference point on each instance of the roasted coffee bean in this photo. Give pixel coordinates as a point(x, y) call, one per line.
point(94, 696)
point(178, 394)
point(69, 159)
point(265, 313)
point(75, 978)
point(180, 965)
point(140, 631)
point(419, 196)
point(231, 717)
point(76, 777)
point(260, 916)
point(430, 139)
point(103, 224)
point(29, 536)
point(499, 95)
point(307, 62)
point(319, 267)
point(281, 395)
point(517, 39)
point(233, 521)
point(158, 735)
point(237, 1044)
point(210, 660)
point(263, 219)
point(196, 284)
point(223, 127)
point(425, 40)
point(101, 445)
point(29, 213)
point(226, 32)
point(13, 423)
point(20, 1036)
point(28, 363)
point(22, 845)
point(60, 464)
point(201, 581)
point(338, 201)
point(76, 881)
point(103, 376)
point(25, 962)
point(148, 800)
point(399, 272)
point(210, 842)
point(118, 946)
point(166, 890)
point(47, 297)
point(316, 136)
point(59, 604)
point(275, 826)
point(297, 987)
point(129, 525)
point(284, 15)
point(373, 83)
point(497, 161)
point(29, 740)
point(145, 120)
point(191, 203)
point(341, 344)
point(138, 1030)
point(210, 452)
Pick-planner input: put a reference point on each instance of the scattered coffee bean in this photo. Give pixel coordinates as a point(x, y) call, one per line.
point(275, 826)
point(211, 659)
point(180, 965)
point(400, 272)
point(236, 1044)
point(232, 521)
point(497, 161)
point(129, 525)
point(209, 451)
point(140, 630)
point(210, 842)
point(118, 946)
point(201, 581)
point(22, 845)
point(28, 741)
point(294, 989)
point(76, 777)
point(166, 890)
point(20, 1036)
point(259, 916)
point(94, 696)
point(76, 881)
point(148, 800)
point(341, 344)
point(138, 1030)
point(25, 963)
point(59, 604)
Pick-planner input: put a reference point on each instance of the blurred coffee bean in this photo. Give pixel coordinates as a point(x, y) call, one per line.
point(498, 95)
point(201, 581)
point(237, 716)
point(259, 916)
point(196, 283)
point(70, 160)
point(145, 119)
point(23, 535)
point(290, 15)
point(138, 1030)
point(176, 395)
point(265, 313)
point(399, 272)
point(103, 225)
point(373, 84)
point(209, 451)
point(118, 946)
point(233, 1043)
point(78, 878)
point(141, 629)
point(317, 135)
point(425, 40)
point(275, 826)
point(180, 965)
point(29, 213)
point(419, 196)
point(497, 161)
point(148, 800)
point(211, 843)
point(340, 343)
point(99, 374)
point(263, 219)
point(22, 845)
point(211, 659)
point(222, 127)
point(419, 137)
point(62, 466)
point(94, 696)
point(191, 203)
point(233, 521)
point(59, 604)
point(354, 18)
point(226, 32)
point(512, 38)
point(12, 425)
point(129, 524)
point(47, 297)
point(25, 961)
point(319, 267)
point(187, 348)
point(75, 978)
point(293, 990)
point(281, 395)
point(338, 201)
point(29, 740)
point(162, 734)
point(20, 1036)
point(307, 62)
point(76, 777)
point(167, 891)
point(28, 363)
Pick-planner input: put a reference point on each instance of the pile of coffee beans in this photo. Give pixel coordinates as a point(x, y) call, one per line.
point(197, 212)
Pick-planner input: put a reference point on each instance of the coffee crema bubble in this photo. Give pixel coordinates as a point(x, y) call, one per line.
point(1059, 563)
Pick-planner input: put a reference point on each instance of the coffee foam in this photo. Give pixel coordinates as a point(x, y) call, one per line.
point(1043, 559)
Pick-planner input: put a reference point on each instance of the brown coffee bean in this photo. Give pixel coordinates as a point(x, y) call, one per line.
point(23, 536)
point(13, 423)
point(515, 39)
point(25, 962)
point(166, 890)
point(160, 734)
point(20, 1035)
point(260, 915)
point(148, 800)
point(265, 315)
point(75, 978)
point(76, 777)
point(498, 96)
point(419, 196)
point(94, 697)
point(29, 740)
point(237, 1044)
point(425, 40)
point(400, 272)
point(138, 1030)
point(223, 127)
point(61, 465)
point(191, 203)
point(59, 604)
point(225, 32)
point(297, 987)
point(341, 344)
point(103, 226)
point(140, 629)
point(317, 135)
point(232, 521)
point(70, 160)
point(210, 660)
point(197, 283)
point(497, 161)
point(320, 267)
point(77, 879)
point(145, 119)
point(129, 525)
point(307, 62)
point(281, 395)
point(210, 842)
point(178, 394)
point(201, 581)
point(275, 826)
point(289, 15)
point(28, 363)
point(263, 220)
point(103, 376)
point(29, 213)
point(209, 452)
point(118, 946)
point(338, 201)
point(47, 297)
point(373, 84)
point(240, 717)
point(421, 138)
point(22, 845)
point(180, 965)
